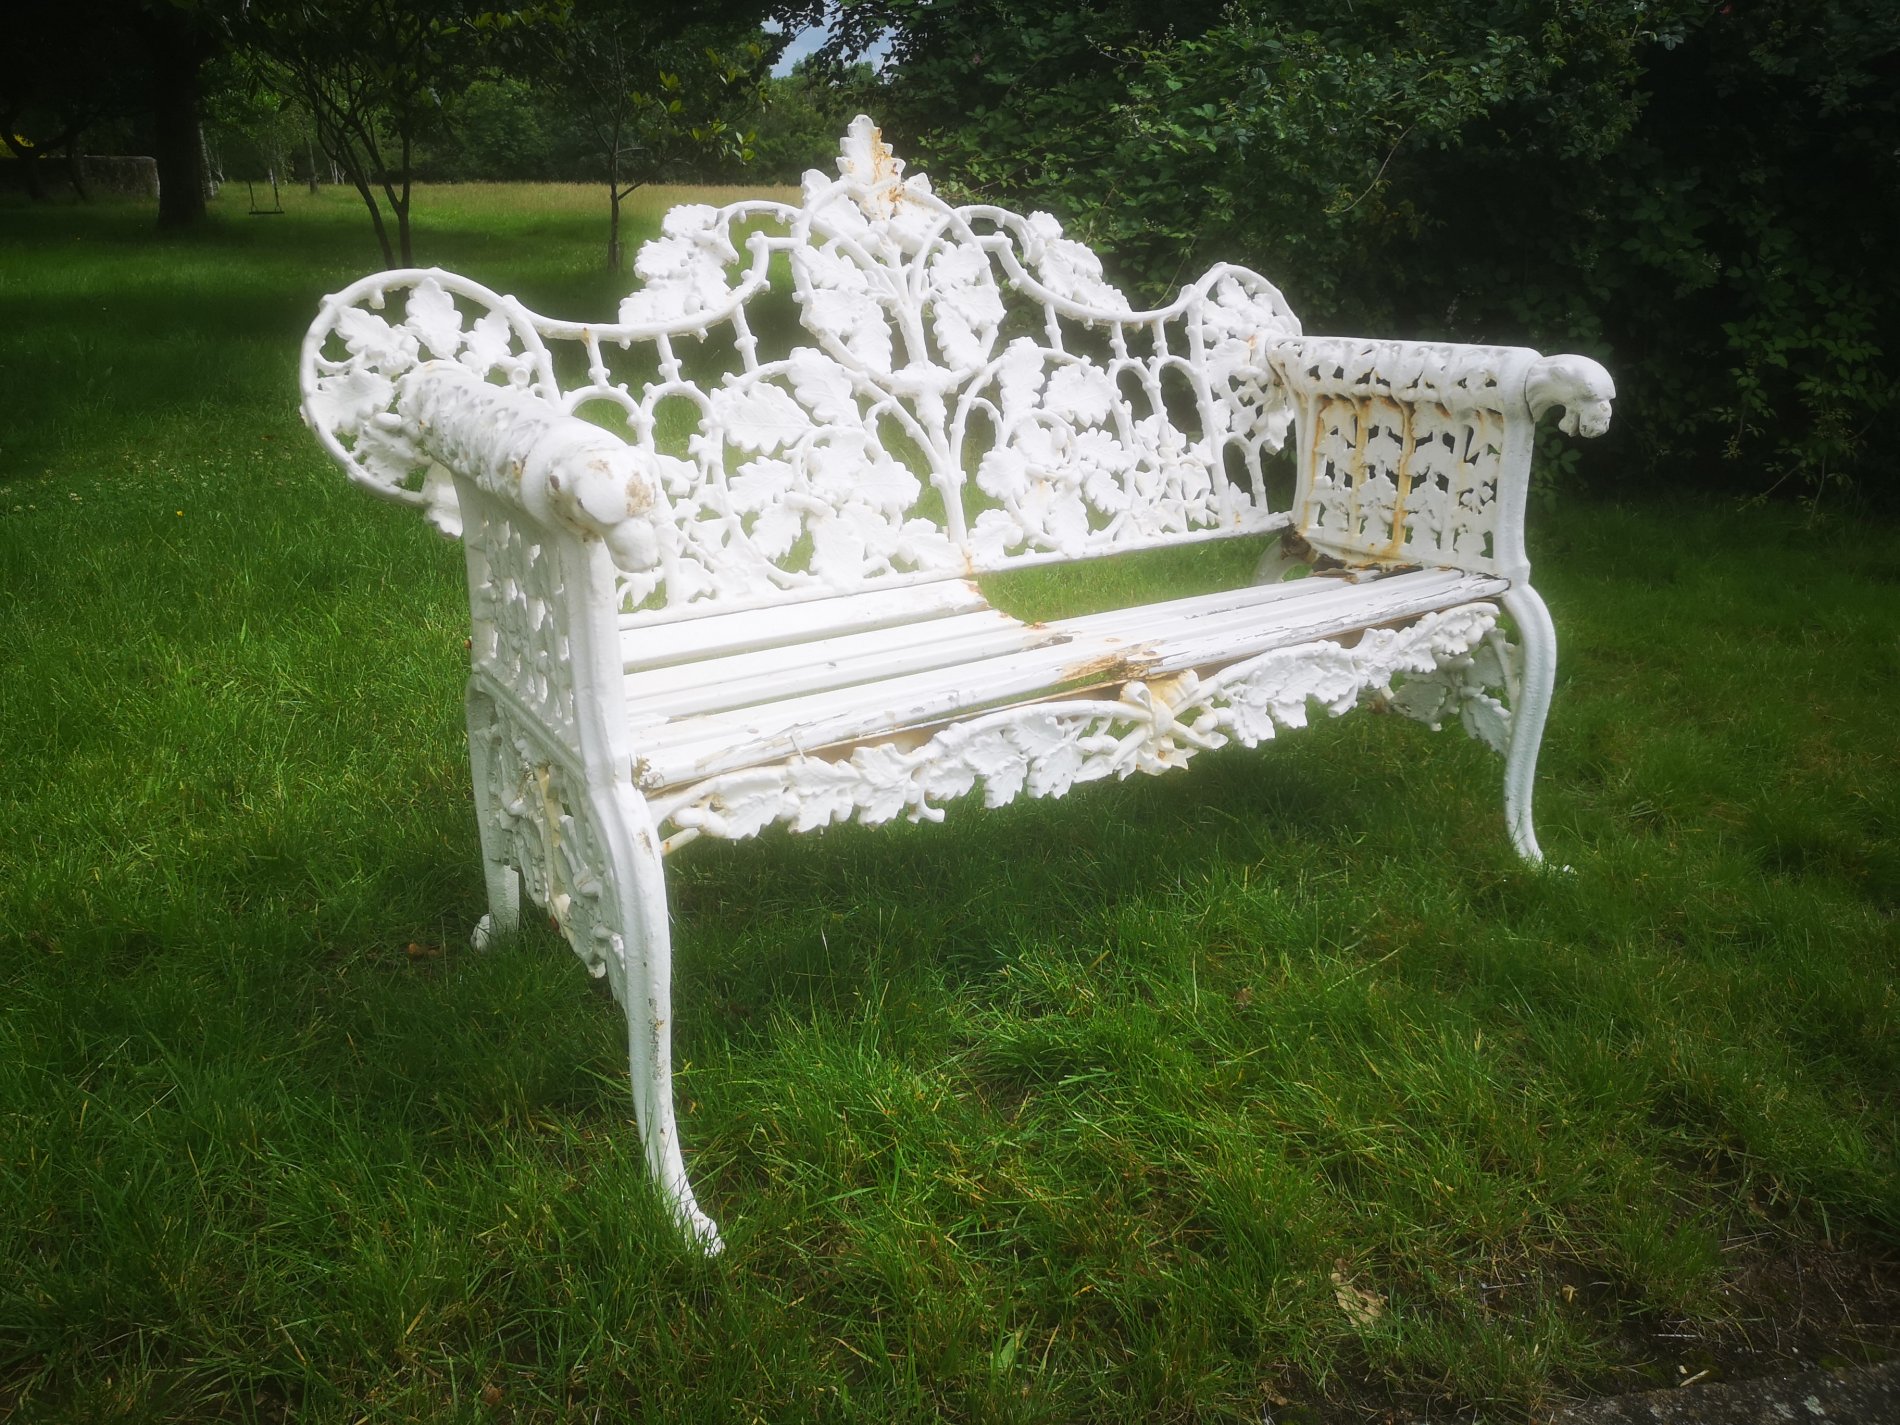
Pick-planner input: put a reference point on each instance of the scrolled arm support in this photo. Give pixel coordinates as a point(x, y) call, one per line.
point(1450, 374)
point(513, 444)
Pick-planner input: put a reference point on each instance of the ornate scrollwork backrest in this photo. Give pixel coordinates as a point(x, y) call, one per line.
point(967, 391)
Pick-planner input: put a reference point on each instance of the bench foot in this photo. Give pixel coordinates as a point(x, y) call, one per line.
point(503, 880)
point(504, 906)
point(1530, 706)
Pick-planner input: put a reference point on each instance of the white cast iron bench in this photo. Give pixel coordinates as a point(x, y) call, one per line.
point(742, 593)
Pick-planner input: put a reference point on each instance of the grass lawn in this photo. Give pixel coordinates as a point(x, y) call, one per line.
point(1275, 1089)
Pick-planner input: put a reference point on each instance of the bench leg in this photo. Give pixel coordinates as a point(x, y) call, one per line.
point(589, 855)
point(504, 881)
point(1530, 705)
point(645, 953)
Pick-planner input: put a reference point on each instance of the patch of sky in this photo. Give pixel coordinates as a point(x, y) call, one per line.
point(807, 40)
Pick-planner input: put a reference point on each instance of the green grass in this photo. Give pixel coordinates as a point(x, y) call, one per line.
point(1071, 1111)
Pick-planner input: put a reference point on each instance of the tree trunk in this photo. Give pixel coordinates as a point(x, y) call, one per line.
point(176, 54)
point(375, 218)
point(348, 162)
point(613, 231)
point(613, 195)
point(402, 208)
point(76, 168)
point(181, 174)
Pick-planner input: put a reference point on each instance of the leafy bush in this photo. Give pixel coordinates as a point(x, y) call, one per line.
point(798, 125)
point(502, 128)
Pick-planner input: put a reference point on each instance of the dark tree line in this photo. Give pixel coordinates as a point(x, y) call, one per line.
point(1700, 192)
point(648, 89)
point(75, 67)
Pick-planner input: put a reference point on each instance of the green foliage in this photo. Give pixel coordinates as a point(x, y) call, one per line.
point(656, 90)
point(731, 123)
point(502, 128)
point(799, 120)
point(252, 128)
point(685, 122)
point(1696, 193)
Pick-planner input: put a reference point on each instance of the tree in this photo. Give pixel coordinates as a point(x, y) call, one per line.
point(75, 65)
point(179, 41)
point(52, 91)
point(1658, 183)
point(801, 116)
point(659, 88)
point(372, 74)
point(503, 127)
point(255, 130)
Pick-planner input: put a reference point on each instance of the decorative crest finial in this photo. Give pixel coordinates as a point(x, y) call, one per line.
point(874, 173)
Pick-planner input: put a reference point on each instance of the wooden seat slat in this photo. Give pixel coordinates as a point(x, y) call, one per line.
point(1102, 650)
point(648, 645)
point(786, 670)
point(721, 683)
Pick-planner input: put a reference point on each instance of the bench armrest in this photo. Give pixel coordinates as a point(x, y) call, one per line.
point(414, 378)
point(518, 447)
point(1419, 452)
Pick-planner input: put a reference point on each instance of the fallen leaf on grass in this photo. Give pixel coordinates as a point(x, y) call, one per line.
point(424, 952)
point(1362, 1308)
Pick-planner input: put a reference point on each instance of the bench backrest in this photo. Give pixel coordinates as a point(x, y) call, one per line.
point(959, 391)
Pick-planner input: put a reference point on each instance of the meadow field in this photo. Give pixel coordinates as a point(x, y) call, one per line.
point(1277, 1089)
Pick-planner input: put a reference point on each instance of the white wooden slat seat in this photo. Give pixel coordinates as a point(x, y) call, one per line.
point(695, 720)
point(773, 619)
point(645, 644)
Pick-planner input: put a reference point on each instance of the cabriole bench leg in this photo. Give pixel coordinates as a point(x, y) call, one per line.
point(504, 881)
point(594, 865)
point(1537, 642)
point(646, 964)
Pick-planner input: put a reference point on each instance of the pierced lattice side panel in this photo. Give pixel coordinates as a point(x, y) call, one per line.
point(1408, 448)
point(520, 635)
point(1397, 484)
